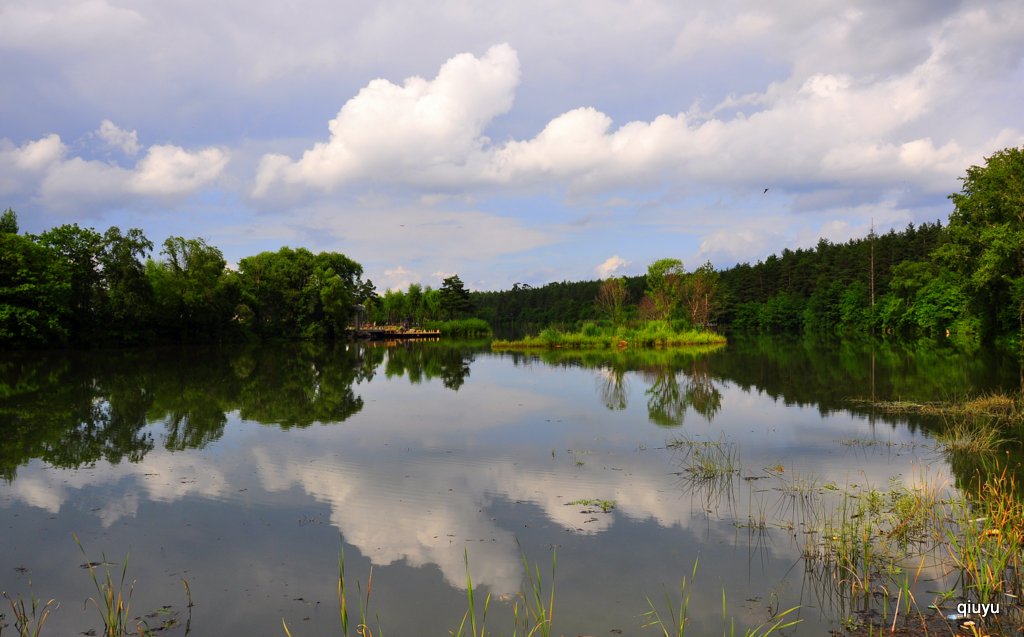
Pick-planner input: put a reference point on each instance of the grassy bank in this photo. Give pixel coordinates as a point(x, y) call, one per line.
point(461, 328)
point(593, 336)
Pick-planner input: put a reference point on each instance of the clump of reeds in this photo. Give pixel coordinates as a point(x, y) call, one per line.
point(707, 460)
point(29, 619)
point(538, 607)
point(112, 601)
point(605, 505)
point(972, 436)
point(866, 541)
point(986, 537)
point(1004, 407)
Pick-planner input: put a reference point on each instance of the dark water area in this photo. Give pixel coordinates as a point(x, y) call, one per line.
point(246, 471)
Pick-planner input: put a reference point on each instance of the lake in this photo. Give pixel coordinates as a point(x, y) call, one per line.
point(246, 471)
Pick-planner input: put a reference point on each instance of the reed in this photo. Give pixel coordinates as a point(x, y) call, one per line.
point(673, 621)
point(29, 619)
point(538, 607)
point(112, 601)
point(972, 436)
point(986, 537)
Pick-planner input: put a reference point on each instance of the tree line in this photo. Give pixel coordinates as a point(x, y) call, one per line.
point(964, 279)
point(77, 285)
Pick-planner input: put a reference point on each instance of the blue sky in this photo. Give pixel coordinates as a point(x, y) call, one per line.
point(506, 142)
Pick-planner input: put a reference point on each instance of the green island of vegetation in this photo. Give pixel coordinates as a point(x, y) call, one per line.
point(594, 336)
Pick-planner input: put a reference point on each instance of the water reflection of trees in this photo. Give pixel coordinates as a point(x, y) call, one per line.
point(76, 408)
point(426, 361)
point(673, 391)
point(827, 373)
point(678, 379)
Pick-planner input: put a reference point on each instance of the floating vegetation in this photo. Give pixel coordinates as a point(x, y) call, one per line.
point(605, 505)
point(1000, 406)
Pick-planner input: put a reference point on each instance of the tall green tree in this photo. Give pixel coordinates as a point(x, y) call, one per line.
point(985, 240)
point(455, 301)
point(8, 222)
point(34, 290)
point(129, 295)
point(665, 286)
point(81, 251)
point(191, 288)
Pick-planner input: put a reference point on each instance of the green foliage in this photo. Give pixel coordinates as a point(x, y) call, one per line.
point(193, 293)
point(700, 293)
point(986, 240)
point(34, 291)
point(129, 296)
point(593, 336)
point(665, 287)
point(296, 294)
point(454, 298)
point(8, 222)
point(464, 328)
point(81, 251)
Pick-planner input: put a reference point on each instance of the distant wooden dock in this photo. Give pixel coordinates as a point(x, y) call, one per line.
point(392, 332)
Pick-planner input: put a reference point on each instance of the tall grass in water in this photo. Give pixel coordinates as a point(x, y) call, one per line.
point(538, 614)
point(677, 617)
point(470, 613)
point(112, 601)
point(971, 436)
point(986, 540)
point(29, 620)
point(532, 612)
point(674, 622)
point(362, 628)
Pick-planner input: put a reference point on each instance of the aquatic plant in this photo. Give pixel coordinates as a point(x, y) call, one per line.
point(112, 601)
point(971, 436)
point(362, 628)
point(605, 505)
point(28, 619)
point(672, 622)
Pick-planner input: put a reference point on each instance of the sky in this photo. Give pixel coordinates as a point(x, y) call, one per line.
point(512, 142)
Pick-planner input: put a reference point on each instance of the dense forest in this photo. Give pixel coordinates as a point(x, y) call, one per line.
point(964, 280)
point(75, 285)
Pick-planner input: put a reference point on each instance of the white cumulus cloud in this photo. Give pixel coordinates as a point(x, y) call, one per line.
point(116, 137)
point(611, 265)
point(45, 170)
point(421, 130)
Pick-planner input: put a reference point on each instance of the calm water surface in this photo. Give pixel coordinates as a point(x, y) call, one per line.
point(246, 471)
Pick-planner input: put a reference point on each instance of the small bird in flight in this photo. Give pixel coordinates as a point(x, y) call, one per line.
point(765, 192)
